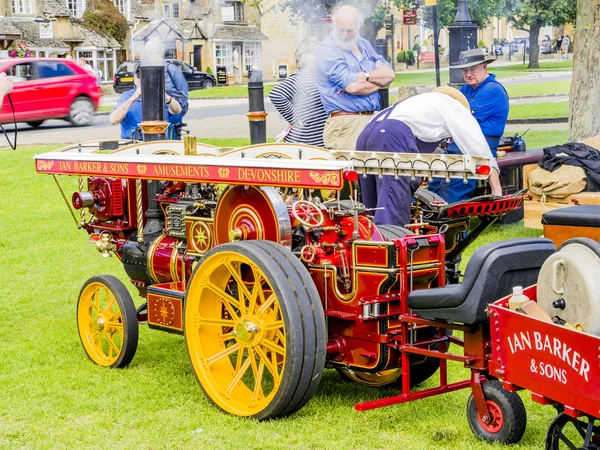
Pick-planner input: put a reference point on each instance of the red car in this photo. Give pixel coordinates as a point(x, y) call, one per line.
point(49, 88)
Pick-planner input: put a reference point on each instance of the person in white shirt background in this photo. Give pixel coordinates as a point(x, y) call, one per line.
point(429, 117)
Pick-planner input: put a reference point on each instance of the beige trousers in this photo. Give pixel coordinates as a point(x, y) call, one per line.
point(341, 132)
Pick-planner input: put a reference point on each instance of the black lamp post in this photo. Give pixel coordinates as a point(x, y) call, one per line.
point(463, 36)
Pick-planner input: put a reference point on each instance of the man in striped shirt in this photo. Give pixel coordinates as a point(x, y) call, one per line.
point(298, 101)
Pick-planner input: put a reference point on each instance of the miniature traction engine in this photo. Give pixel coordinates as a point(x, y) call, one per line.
point(268, 264)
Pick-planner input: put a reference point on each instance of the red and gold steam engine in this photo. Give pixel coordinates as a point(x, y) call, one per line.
point(267, 263)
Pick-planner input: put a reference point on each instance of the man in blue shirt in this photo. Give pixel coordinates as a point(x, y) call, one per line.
point(128, 111)
point(348, 75)
point(489, 105)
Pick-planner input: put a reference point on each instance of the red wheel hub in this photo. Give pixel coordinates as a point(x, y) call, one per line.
point(496, 421)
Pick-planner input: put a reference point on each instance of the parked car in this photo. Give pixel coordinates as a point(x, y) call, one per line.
point(49, 88)
point(546, 46)
point(517, 45)
point(123, 79)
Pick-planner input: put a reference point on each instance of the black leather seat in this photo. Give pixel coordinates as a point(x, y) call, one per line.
point(491, 273)
point(577, 216)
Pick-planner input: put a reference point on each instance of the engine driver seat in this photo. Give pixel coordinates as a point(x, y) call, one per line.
point(491, 273)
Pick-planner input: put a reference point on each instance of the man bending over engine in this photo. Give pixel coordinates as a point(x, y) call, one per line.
point(430, 117)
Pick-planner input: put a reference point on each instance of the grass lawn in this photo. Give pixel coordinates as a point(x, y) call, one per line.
point(542, 88)
point(227, 92)
point(403, 78)
point(428, 78)
point(54, 397)
point(545, 109)
point(540, 139)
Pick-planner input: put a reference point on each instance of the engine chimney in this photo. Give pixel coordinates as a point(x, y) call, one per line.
point(153, 123)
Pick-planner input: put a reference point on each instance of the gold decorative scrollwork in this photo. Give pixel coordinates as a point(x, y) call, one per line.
point(44, 165)
point(223, 172)
point(325, 178)
point(141, 168)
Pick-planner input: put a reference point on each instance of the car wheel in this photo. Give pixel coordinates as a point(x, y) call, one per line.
point(35, 123)
point(207, 84)
point(81, 112)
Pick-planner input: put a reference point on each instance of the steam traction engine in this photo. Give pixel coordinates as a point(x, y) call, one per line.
point(265, 261)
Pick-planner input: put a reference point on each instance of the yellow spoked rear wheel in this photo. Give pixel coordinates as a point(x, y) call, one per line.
point(256, 344)
point(107, 322)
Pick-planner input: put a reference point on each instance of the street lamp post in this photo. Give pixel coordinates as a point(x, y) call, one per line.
point(463, 36)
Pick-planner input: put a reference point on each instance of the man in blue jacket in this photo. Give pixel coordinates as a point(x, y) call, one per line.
point(128, 111)
point(489, 105)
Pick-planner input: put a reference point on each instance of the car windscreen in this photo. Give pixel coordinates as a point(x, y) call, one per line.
point(128, 67)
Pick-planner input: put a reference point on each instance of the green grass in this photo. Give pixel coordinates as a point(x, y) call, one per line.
point(227, 92)
point(428, 78)
point(543, 88)
point(402, 79)
point(105, 108)
point(540, 139)
point(536, 110)
point(54, 397)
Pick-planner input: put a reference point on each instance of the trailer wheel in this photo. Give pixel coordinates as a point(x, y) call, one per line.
point(566, 432)
point(107, 322)
point(508, 417)
point(254, 331)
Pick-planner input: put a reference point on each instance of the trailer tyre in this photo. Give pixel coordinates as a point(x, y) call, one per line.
point(508, 416)
point(107, 322)
point(254, 331)
point(566, 432)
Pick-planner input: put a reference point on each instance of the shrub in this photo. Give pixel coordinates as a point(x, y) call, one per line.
point(104, 17)
point(416, 47)
point(410, 57)
point(481, 44)
point(209, 70)
point(401, 57)
point(496, 41)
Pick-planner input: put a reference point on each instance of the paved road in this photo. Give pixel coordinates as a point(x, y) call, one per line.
point(217, 118)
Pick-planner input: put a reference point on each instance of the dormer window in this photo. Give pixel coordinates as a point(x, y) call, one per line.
point(238, 10)
point(22, 7)
point(171, 10)
point(76, 7)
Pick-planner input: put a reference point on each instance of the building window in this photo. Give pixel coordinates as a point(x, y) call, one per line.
point(238, 10)
point(120, 4)
point(170, 50)
point(22, 7)
point(76, 7)
point(252, 59)
point(171, 10)
point(223, 55)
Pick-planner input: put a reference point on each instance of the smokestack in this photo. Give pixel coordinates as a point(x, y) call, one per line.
point(153, 123)
point(256, 110)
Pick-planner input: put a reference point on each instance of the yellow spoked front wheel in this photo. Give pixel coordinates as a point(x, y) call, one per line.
point(255, 329)
point(107, 322)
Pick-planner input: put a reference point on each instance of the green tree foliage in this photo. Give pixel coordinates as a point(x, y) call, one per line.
point(480, 11)
point(376, 10)
point(104, 17)
point(531, 15)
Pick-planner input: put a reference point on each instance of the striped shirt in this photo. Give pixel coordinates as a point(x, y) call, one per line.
point(298, 101)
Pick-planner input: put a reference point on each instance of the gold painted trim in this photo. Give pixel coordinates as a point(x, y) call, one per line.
point(150, 257)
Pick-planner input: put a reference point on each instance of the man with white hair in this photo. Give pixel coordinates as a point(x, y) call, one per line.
point(349, 74)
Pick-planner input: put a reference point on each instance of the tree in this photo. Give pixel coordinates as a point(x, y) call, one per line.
point(480, 11)
point(531, 15)
point(584, 117)
point(104, 17)
point(376, 10)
